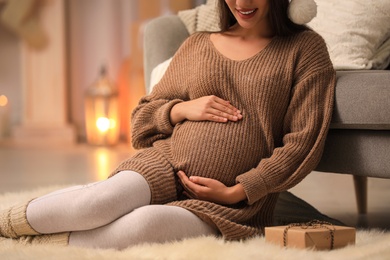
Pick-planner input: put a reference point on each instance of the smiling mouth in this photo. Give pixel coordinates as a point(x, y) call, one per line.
point(247, 12)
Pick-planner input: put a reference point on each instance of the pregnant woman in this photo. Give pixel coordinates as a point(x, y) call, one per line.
point(239, 116)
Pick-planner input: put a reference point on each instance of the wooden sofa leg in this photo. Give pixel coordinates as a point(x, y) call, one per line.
point(360, 183)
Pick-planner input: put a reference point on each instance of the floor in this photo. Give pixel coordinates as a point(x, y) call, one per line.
point(23, 168)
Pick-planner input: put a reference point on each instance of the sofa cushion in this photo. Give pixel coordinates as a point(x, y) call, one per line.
point(357, 32)
point(362, 100)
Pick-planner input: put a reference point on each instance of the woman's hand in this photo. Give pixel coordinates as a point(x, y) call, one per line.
point(210, 108)
point(211, 190)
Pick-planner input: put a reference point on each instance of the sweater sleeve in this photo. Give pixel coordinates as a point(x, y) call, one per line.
point(150, 120)
point(306, 124)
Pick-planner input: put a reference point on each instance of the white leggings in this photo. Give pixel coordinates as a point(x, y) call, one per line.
point(114, 213)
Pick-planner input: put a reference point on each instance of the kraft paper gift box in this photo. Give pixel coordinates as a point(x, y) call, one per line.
point(314, 236)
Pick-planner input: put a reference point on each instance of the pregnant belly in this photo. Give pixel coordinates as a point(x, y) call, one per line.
point(220, 151)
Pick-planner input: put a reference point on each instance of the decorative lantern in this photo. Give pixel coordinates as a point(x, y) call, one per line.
point(101, 112)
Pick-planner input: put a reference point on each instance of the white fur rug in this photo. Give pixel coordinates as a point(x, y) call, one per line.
point(370, 244)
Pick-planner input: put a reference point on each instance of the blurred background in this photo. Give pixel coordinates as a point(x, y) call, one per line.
point(71, 72)
point(53, 51)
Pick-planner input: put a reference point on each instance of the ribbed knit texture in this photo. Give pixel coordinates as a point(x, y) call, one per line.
point(13, 222)
point(61, 239)
point(47, 239)
point(285, 93)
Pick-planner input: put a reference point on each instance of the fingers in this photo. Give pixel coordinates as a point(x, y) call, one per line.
point(210, 108)
point(207, 189)
point(187, 185)
point(225, 106)
point(222, 111)
point(220, 116)
point(200, 180)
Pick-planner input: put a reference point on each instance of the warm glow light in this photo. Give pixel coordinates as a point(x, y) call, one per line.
point(103, 124)
point(3, 101)
point(101, 112)
point(103, 168)
point(112, 124)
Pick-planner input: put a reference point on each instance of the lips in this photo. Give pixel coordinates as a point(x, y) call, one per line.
point(246, 13)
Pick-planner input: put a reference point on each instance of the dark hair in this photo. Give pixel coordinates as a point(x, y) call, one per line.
point(280, 23)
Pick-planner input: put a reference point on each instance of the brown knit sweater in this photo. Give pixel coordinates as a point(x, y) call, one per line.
point(285, 93)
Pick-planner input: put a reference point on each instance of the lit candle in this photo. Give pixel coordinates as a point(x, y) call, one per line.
point(101, 112)
point(103, 124)
point(4, 116)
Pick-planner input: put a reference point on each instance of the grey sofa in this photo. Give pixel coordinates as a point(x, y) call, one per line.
point(359, 139)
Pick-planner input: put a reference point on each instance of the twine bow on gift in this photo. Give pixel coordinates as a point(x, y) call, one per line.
point(311, 224)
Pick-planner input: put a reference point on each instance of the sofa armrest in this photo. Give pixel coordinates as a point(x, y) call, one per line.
point(362, 100)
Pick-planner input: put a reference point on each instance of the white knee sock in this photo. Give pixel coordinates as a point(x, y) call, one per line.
point(147, 224)
point(89, 206)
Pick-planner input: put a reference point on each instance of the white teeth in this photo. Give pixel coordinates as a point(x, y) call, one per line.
point(248, 12)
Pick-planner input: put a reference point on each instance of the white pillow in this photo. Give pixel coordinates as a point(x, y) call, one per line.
point(357, 32)
point(158, 73)
point(202, 18)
